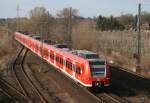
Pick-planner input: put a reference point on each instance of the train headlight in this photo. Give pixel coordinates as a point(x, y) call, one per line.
point(97, 84)
point(108, 78)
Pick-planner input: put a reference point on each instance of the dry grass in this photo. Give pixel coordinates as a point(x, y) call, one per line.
point(6, 49)
point(118, 46)
point(5, 46)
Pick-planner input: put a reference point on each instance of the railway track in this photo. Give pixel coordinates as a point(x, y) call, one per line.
point(132, 86)
point(28, 88)
point(133, 82)
point(8, 90)
point(110, 98)
point(5, 98)
point(106, 97)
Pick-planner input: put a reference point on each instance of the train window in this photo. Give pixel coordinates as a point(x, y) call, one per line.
point(66, 64)
point(74, 67)
point(69, 65)
point(45, 52)
point(52, 56)
point(57, 59)
point(78, 70)
point(48, 53)
point(61, 61)
point(37, 47)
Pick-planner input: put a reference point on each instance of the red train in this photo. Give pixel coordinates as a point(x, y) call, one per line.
point(83, 66)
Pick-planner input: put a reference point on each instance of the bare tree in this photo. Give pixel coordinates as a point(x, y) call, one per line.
point(40, 21)
point(67, 19)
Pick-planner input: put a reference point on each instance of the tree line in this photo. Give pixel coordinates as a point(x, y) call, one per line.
point(123, 22)
point(40, 21)
point(108, 23)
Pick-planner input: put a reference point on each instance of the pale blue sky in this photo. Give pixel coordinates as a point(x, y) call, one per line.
point(87, 8)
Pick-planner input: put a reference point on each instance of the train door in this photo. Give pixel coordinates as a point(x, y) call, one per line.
point(74, 69)
point(64, 64)
point(45, 52)
point(48, 55)
point(69, 69)
point(59, 60)
point(52, 56)
point(34, 46)
point(39, 49)
point(79, 71)
point(30, 43)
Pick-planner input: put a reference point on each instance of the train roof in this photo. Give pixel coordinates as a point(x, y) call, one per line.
point(88, 55)
point(84, 52)
point(65, 53)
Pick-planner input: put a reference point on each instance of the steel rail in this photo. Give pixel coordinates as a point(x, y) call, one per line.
point(11, 87)
point(31, 82)
point(28, 79)
point(17, 78)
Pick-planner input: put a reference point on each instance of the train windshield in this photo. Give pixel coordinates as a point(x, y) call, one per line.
point(97, 68)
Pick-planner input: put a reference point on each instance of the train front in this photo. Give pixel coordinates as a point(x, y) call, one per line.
point(100, 73)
